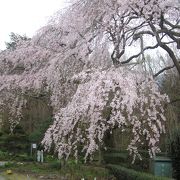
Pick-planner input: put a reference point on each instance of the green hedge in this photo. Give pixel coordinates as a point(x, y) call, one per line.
point(129, 174)
point(124, 158)
point(115, 158)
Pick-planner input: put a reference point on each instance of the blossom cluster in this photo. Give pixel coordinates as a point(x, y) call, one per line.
point(104, 100)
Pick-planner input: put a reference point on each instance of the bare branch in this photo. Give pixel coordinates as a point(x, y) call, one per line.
point(174, 26)
point(165, 47)
point(162, 70)
point(137, 55)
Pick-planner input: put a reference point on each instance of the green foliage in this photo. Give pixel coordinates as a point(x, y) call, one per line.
point(16, 142)
point(73, 164)
point(175, 152)
point(3, 155)
point(114, 156)
point(76, 169)
point(9, 165)
point(23, 158)
point(55, 165)
point(171, 86)
point(50, 158)
point(38, 134)
point(70, 171)
point(129, 174)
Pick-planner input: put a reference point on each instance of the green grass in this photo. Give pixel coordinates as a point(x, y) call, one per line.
point(71, 170)
point(15, 176)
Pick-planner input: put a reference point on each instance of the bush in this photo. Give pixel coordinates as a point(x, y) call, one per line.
point(16, 142)
point(23, 157)
point(9, 165)
point(55, 165)
point(129, 174)
point(115, 158)
point(122, 157)
point(4, 155)
point(50, 158)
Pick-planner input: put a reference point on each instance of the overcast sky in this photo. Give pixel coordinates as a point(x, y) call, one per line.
point(25, 16)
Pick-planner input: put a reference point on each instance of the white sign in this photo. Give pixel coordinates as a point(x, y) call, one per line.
point(34, 146)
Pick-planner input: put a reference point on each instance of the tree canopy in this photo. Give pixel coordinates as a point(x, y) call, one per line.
point(79, 62)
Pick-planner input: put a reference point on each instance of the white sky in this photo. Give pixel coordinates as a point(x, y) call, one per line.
point(25, 16)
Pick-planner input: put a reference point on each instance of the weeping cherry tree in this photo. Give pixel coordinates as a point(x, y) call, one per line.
point(78, 61)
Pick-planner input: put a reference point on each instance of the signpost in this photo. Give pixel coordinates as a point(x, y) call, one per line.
point(33, 149)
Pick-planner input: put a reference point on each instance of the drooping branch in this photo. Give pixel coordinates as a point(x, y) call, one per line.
point(137, 55)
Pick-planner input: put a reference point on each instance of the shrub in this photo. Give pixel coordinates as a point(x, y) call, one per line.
point(50, 158)
point(122, 157)
point(4, 155)
point(23, 157)
point(16, 142)
point(115, 158)
point(9, 165)
point(55, 165)
point(129, 174)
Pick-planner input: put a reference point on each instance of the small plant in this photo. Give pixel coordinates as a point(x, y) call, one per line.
point(55, 165)
point(23, 157)
point(16, 142)
point(3, 155)
point(50, 158)
point(9, 164)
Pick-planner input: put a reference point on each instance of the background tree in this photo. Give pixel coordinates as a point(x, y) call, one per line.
point(15, 40)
